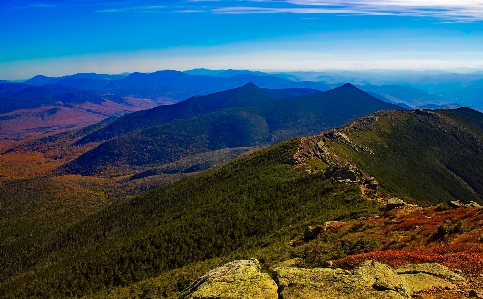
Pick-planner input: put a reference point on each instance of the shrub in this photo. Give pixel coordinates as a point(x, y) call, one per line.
point(460, 227)
point(361, 226)
point(358, 245)
point(447, 228)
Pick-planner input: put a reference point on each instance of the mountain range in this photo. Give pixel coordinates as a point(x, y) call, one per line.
point(62, 103)
point(243, 117)
point(159, 242)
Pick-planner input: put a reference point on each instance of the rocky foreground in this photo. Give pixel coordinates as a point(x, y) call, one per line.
point(371, 280)
point(428, 253)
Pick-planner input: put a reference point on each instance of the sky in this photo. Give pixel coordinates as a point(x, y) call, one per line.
point(57, 38)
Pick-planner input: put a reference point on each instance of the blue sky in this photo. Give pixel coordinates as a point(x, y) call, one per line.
point(63, 37)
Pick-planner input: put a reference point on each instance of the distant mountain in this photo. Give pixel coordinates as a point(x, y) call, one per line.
point(83, 83)
point(242, 117)
point(17, 96)
point(28, 111)
point(225, 73)
point(289, 92)
point(90, 81)
point(238, 97)
point(167, 84)
point(203, 72)
point(179, 86)
point(102, 96)
point(465, 92)
point(40, 80)
point(407, 95)
point(230, 73)
point(7, 88)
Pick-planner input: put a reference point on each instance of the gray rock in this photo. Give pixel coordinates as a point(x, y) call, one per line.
point(431, 269)
point(238, 279)
point(369, 280)
point(473, 204)
point(393, 203)
point(456, 204)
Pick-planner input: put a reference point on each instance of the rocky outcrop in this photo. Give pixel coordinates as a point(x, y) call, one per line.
point(460, 204)
point(243, 279)
point(420, 277)
point(369, 280)
point(433, 269)
point(393, 203)
point(338, 169)
point(238, 279)
point(344, 174)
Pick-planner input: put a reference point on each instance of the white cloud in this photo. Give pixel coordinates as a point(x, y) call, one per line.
point(448, 10)
point(296, 10)
point(470, 10)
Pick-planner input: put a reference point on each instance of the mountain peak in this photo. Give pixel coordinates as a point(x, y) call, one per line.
point(251, 85)
point(348, 85)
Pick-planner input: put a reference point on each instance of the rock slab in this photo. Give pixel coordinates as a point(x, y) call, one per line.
point(369, 280)
point(238, 279)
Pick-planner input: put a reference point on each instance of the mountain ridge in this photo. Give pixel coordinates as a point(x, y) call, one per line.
point(254, 117)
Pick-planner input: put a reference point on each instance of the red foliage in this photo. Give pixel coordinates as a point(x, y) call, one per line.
point(466, 261)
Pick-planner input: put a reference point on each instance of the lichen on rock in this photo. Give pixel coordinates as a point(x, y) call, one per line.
point(433, 269)
point(238, 279)
point(369, 280)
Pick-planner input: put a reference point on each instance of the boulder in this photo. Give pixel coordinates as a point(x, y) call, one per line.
point(473, 204)
point(393, 203)
point(421, 281)
point(238, 279)
point(311, 232)
point(460, 204)
point(433, 269)
point(369, 280)
point(456, 204)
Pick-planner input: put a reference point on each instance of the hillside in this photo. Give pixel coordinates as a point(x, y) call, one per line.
point(242, 117)
point(157, 243)
point(448, 145)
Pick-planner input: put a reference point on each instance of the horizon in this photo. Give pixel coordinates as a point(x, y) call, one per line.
point(329, 72)
point(55, 38)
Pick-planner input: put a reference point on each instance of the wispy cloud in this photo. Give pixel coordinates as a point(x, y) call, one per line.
point(296, 10)
point(446, 10)
point(139, 9)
